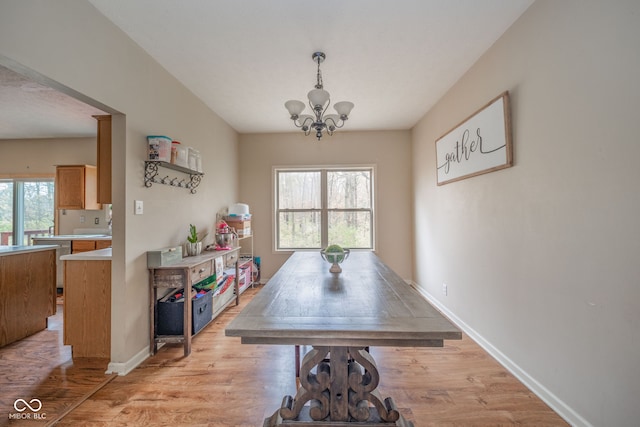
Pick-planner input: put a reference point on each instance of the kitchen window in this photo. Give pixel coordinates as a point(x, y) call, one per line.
point(318, 207)
point(26, 209)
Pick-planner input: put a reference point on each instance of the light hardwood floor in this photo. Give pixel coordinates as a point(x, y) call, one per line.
point(225, 383)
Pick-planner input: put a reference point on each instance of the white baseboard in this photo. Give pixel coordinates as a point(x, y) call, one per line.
point(561, 408)
point(123, 368)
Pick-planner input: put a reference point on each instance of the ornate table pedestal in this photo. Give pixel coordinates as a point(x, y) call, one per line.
point(338, 388)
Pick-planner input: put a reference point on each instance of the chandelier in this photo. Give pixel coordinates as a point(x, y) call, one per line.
point(319, 101)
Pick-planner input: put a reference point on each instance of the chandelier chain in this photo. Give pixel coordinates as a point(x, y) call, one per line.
point(319, 76)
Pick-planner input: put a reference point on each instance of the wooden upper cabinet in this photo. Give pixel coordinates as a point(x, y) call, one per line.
point(76, 187)
point(104, 158)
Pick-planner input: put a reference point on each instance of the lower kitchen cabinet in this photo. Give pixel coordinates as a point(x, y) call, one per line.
point(78, 246)
point(27, 291)
point(87, 308)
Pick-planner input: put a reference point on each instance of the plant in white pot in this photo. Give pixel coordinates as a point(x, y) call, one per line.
point(194, 244)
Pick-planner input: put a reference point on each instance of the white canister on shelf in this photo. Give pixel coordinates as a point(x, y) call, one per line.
point(182, 156)
point(174, 151)
point(198, 162)
point(193, 153)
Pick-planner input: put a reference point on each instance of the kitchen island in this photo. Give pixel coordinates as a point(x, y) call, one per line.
point(73, 243)
point(87, 303)
point(27, 290)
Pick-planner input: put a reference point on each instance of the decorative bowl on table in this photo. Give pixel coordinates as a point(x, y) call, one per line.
point(335, 255)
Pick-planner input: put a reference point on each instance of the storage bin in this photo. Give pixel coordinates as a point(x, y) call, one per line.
point(239, 209)
point(159, 148)
point(164, 256)
point(222, 299)
point(171, 315)
point(242, 227)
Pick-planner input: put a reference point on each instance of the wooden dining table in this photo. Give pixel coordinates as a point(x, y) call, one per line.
point(340, 315)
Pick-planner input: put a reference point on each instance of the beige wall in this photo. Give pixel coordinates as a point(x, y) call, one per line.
point(541, 260)
point(38, 157)
point(70, 43)
point(388, 151)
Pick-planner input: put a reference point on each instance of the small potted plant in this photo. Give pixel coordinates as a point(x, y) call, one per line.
point(194, 244)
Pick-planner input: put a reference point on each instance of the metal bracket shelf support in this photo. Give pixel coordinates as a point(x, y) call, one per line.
point(151, 169)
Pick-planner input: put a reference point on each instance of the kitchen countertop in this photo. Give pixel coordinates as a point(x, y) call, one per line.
point(16, 249)
point(75, 237)
point(97, 255)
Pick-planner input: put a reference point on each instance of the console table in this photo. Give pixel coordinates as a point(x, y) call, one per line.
point(185, 274)
point(340, 315)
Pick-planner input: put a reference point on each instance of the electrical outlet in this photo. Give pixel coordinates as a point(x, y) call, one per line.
point(445, 289)
point(81, 218)
point(96, 221)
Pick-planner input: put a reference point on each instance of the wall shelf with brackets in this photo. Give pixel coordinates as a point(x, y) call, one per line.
point(151, 175)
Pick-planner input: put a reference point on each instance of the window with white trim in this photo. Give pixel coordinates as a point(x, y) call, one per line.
point(26, 209)
point(318, 207)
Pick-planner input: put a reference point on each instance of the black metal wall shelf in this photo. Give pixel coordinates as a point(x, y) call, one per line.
point(151, 170)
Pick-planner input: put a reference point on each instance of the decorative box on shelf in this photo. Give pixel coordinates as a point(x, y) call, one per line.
point(241, 224)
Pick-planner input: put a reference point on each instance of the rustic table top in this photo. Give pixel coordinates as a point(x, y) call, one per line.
point(367, 304)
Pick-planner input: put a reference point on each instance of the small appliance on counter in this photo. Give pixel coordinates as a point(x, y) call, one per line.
point(225, 236)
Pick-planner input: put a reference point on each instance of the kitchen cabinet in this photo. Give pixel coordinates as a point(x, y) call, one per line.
point(87, 304)
point(27, 290)
point(104, 159)
point(76, 187)
point(78, 246)
point(64, 248)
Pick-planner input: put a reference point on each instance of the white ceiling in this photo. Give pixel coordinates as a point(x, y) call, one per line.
point(29, 109)
point(393, 58)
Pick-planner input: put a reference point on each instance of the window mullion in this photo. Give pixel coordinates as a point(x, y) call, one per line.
point(18, 213)
point(324, 215)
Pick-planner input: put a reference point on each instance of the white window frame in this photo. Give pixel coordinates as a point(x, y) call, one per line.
point(324, 211)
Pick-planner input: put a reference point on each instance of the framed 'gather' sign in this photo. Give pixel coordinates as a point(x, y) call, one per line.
point(480, 144)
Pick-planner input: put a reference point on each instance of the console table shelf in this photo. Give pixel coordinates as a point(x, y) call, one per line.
point(183, 275)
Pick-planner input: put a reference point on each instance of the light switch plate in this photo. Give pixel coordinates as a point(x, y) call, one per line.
point(139, 207)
